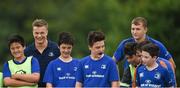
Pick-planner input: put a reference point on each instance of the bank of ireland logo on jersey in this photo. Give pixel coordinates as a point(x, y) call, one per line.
point(157, 75)
point(51, 54)
point(86, 66)
point(103, 66)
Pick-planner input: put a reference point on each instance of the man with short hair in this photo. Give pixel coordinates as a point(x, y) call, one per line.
point(42, 48)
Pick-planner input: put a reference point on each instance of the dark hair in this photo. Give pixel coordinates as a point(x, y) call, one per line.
point(139, 20)
point(141, 44)
point(151, 48)
point(130, 48)
point(40, 23)
point(16, 38)
point(95, 36)
point(66, 38)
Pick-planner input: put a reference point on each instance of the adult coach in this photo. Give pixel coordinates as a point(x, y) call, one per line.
point(138, 31)
point(42, 48)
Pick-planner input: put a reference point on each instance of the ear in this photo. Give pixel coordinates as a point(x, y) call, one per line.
point(89, 47)
point(155, 57)
point(24, 47)
point(146, 29)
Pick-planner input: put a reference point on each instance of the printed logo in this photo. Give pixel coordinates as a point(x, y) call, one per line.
point(20, 72)
point(59, 69)
point(51, 54)
point(157, 75)
point(103, 66)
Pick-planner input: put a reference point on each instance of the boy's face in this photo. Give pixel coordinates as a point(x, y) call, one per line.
point(138, 31)
point(134, 59)
point(40, 34)
point(97, 49)
point(17, 50)
point(65, 50)
point(147, 59)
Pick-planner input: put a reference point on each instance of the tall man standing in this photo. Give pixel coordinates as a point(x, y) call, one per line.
point(42, 48)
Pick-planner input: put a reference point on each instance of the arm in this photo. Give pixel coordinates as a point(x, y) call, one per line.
point(172, 63)
point(78, 85)
point(118, 54)
point(16, 83)
point(114, 75)
point(34, 77)
point(126, 78)
point(49, 85)
point(165, 54)
point(115, 84)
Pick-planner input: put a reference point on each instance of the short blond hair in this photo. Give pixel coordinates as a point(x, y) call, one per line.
point(138, 20)
point(40, 23)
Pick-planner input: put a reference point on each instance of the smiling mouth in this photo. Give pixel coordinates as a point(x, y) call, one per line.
point(100, 53)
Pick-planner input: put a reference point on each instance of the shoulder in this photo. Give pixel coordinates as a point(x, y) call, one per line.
point(127, 40)
point(140, 67)
point(30, 47)
point(162, 63)
point(52, 44)
point(108, 58)
point(155, 41)
point(85, 58)
point(75, 60)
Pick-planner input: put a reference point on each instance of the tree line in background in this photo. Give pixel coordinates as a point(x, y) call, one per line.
point(113, 17)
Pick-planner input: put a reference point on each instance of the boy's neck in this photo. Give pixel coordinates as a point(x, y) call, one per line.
point(153, 66)
point(68, 59)
point(20, 59)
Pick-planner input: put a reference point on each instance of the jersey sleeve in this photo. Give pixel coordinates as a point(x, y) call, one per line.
point(168, 79)
point(48, 77)
point(163, 51)
point(118, 54)
point(35, 66)
point(114, 74)
point(6, 71)
point(79, 74)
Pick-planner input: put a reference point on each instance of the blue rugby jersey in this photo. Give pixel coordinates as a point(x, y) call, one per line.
point(61, 74)
point(158, 77)
point(97, 73)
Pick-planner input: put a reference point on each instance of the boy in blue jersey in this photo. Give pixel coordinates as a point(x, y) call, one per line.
point(132, 52)
point(152, 74)
point(138, 31)
point(134, 58)
point(61, 72)
point(21, 71)
point(42, 48)
point(97, 69)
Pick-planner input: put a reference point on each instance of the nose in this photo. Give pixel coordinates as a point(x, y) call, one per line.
point(39, 35)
